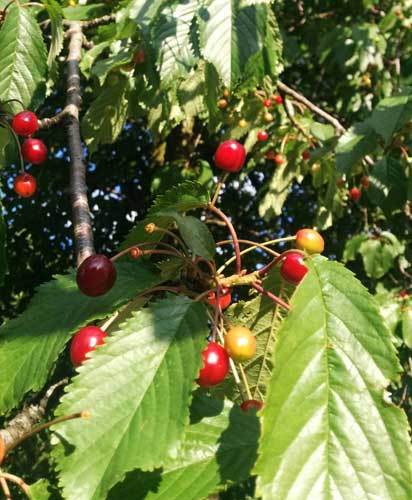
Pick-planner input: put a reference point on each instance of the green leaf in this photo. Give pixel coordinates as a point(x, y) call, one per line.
point(231, 35)
point(225, 440)
point(388, 184)
point(55, 12)
point(138, 14)
point(23, 59)
point(91, 55)
point(104, 67)
point(138, 416)
point(354, 145)
point(186, 196)
point(190, 93)
point(327, 431)
point(352, 247)
point(196, 235)
point(322, 131)
point(31, 343)
point(172, 35)
point(407, 327)
point(106, 116)
point(85, 12)
point(379, 255)
point(39, 490)
point(390, 115)
point(3, 249)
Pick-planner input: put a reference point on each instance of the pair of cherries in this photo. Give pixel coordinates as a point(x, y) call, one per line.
point(34, 151)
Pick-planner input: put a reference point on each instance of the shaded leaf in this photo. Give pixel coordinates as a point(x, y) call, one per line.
point(55, 12)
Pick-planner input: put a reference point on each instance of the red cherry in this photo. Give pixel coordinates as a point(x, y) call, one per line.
point(262, 136)
point(293, 268)
point(25, 185)
point(225, 298)
point(279, 159)
point(96, 275)
point(251, 404)
point(215, 365)
point(34, 151)
point(25, 123)
point(278, 99)
point(355, 194)
point(365, 181)
point(139, 57)
point(403, 294)
point(85, 340)
point(267, 103)
point(230, 156)
point(306, 155)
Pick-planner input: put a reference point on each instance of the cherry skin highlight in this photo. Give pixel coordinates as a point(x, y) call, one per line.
point(215, 365)
point(25, 185)
point(34, 151)
point(230, 156)
point(262, 136)
point(310, 241)
point(25, 123)
point(225, 298)
point(96, 275)
point(240, 343)
point(293, 268)
point(355, 194)
point(85, 340)
point(251, 404)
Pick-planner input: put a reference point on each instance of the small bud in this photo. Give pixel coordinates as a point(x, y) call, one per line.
point(86, 414)
point(135, 253)
point(150, 228)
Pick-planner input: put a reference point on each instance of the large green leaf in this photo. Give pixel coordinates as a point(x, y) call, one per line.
point(172, 35)
point(379, 254)
point(3, 253)
point(196, 235)
point(327, 431)
point(55, 12)
point(218, 447)
point(23, 58)
point(390, 115)
point(31, 343)
point(140, 405)
point(85, 12)
point(106, 116)
point(231, 34)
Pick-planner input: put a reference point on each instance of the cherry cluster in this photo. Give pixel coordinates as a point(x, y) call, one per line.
point(34, 151)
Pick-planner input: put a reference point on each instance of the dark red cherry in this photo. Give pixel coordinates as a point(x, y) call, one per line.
point(262, 136)
point(306, 155)
point(230, 156)
point(225, 298)
point(25, 185)
point(25, 123)
point(293, 268)
point(96, 275)
point(85, 340)
point(251, 404)
point(215, 365)
point(34, 151)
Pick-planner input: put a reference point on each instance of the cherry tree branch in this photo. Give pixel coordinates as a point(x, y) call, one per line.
point(82, 222)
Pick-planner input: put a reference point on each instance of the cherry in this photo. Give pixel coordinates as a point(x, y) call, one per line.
point(268, 117)
point(85, 340)
point(139, 57)
point(215, 365)
point(34, 151)
point(135, 253)
point(365, 181)
point(25, 185)
point(279, 159)
point(251, 404)
point(278, 99)
point(310, 240)
point(226, 93)
point(222, 104)
point(267, 103)
point(293, 268)
point(262, 136)
point(25, 123)
point(240, 343)
point(355, 194)
point(306, 155)
point(225, 298)
point(270, 155)
point(230, 156)
point(315, 168)
point(403, 294)
point(96, 275)
point(242, 123)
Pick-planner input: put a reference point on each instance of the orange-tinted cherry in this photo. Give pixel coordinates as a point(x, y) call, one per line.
point(230, 156)
point(25, 185)
point(365, 181)
point(240, 343)
point(96, 275)
point(215, 365)
point(225, 298)
point(262, 136)
point(355, 194)
point(251, 404)
point(279, 159)
point(34, 151)
point(310, 240)
point(25, 123)
point(85, 340)
point(293, 268)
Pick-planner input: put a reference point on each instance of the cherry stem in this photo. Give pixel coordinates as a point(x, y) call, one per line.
point(149, 243)
point(235, 240)
point(16, 480)
point(170, 233)
point(219, 185)
point(271, 296)
point(5, 488)
point(245, 381)
point(12, 100)
point(44, 426)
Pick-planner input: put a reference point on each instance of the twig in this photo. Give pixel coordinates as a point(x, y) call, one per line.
point(69, 110)
point(83, 232)
point(271, 296)
point(286, 107)
point(93, 23)
point(17, 480)
point(5, 488)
